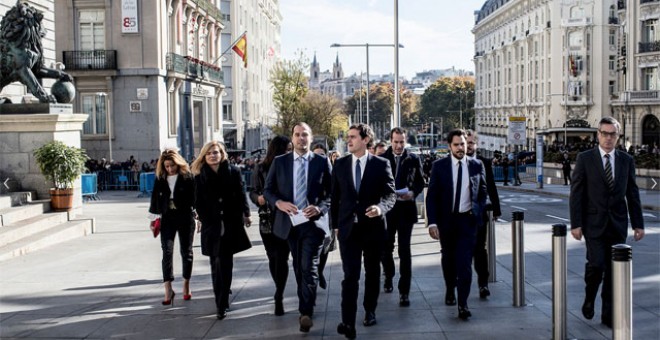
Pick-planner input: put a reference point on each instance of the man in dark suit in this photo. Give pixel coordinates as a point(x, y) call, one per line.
point(603, 194)
point(362, 193)
point(409, 182)
point(480, 253)
point(298, 184)
point(455, 204)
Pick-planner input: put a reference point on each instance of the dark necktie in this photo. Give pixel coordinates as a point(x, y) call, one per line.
point(397, 161)
point(459, 182)
point(608, 172)
point(358, 175)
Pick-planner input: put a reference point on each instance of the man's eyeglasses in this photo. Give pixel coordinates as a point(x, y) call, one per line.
point(609, 134)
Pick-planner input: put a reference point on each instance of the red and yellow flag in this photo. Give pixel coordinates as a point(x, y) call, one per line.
point(240, 47)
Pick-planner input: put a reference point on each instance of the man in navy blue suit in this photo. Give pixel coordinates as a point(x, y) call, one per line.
point(298, 185)
point(455, 204)
point(362, 193)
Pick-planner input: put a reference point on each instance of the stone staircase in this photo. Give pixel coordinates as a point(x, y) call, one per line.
point(27, 225)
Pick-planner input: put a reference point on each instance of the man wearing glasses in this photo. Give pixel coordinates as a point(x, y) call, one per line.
point(603, 194)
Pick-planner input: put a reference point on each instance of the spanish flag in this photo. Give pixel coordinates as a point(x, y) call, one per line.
point(240, 47)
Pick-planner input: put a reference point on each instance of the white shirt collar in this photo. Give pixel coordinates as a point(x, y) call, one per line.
point(603, 153)
point(363, 159)
point(306, 156)
point(454, 160)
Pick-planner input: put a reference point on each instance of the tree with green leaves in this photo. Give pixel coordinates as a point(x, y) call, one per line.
point(289, 80)
point(446, 98)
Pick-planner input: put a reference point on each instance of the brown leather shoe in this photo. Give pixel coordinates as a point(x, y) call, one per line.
point(306, 323)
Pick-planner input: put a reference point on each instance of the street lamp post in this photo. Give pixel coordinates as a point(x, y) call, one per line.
point(336, 45)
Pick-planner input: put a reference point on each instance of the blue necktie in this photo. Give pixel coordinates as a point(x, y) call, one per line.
point(301, 185)
point(459, 182)
point(358, 175)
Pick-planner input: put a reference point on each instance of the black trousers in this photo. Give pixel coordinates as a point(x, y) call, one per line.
point(397, 225)
point(222, 266)
point(277, 251)
point(171, 223)
point(365, 241)
point(598, 268)
point(306, 244)
point(457, 241)
point(480, 254)
point(567, 176)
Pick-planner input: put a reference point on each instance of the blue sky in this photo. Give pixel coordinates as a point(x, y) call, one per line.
point(436, 34)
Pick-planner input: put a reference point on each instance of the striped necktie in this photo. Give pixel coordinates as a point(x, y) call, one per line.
point(608, 172)
point(301, 185)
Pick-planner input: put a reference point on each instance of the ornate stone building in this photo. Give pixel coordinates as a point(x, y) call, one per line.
point(558, 64)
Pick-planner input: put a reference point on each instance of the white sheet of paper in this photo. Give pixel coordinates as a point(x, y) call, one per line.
point(298, 218)
point(402, 191)
point(322, 223)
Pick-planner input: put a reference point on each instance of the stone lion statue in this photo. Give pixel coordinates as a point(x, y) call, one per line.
point(21, 52)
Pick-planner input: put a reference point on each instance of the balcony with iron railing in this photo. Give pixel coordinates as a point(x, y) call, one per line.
point(647, 1)
point(209, 7)
point(644, 96)
point(90, 60)
point(193, 68)
point(651, 46)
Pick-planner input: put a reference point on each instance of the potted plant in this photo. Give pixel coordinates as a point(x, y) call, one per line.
point(61, 164)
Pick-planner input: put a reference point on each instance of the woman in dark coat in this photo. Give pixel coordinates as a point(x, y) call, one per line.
point(172, 201)
point(223, 210)
point(277, 249)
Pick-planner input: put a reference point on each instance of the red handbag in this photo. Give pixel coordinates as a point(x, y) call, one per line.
point(155, 227)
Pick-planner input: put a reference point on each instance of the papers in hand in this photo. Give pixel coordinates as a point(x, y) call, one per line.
point(402, 192)
point(298, 218)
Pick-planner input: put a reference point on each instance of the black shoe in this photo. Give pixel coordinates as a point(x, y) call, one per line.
point(464, 312)
point(388, 287)
point(588, 309)
point(322, 283)
point(279, 308)
point(403, 300)
point(306, 323)
point(450, 298)
point(484, 292)
point(369, 319)
point(346, 330)
point(221, 314)
point(606, 321)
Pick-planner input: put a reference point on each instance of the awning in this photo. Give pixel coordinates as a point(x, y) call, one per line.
point(572, 130)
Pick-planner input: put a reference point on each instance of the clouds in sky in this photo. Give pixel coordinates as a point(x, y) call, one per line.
point(435, 35)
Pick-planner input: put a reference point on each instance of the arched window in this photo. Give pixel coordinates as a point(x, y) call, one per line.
point(651, 131)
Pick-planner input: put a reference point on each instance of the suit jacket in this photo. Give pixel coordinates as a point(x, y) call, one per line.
point(184, 196)
point(279, 186)
point(440, 195)
point(220, 201)
point(409, 175)
point(493, 196)
point(592, 204)
point(376, 188)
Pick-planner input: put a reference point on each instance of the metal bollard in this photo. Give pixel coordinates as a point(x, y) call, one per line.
point(559, 281)
point(621, 292)
point(492, 277)
point(517, 238)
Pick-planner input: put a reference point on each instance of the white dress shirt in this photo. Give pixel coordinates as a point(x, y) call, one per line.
point(296, 166)
point(363, 163)
point(603, 160)
point(465, 205)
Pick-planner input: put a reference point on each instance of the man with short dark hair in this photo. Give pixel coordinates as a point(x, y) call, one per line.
point(480, 253)
point(298, 185)
point(409, 183)
point(455, 204)
point(603, 194)
point(362, 193)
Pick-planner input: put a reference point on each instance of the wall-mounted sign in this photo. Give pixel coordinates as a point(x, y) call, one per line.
point(136, 106)
point(143, 93)
point(517, 131)
point(129, 16)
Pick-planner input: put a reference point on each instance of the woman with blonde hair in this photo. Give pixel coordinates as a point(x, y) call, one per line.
point(172, 201)
point(223, 210)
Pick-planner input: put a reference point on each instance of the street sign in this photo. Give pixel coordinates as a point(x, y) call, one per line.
point(517, 131)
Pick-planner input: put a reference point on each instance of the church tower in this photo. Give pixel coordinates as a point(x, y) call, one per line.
point(337, 71)
point(314, 70)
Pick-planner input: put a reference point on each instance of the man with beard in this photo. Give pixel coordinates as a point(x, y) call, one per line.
point(455, 203)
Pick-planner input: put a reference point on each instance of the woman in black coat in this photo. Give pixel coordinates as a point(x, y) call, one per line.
point(172, 201)
point(223, 210)
point(277, 249)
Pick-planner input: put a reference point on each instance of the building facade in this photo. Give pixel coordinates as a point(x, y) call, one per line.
point(554, 62)
point(247, 105)
point(145, 74)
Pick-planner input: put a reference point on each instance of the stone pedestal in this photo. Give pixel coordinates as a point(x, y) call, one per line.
point(20, 134)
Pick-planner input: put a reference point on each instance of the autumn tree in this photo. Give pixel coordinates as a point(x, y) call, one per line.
point(325, 115)
point(289, 80)
point(447, 98)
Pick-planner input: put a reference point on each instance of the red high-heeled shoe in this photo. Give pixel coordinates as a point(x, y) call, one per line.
point(187, 297)
point(170, 301)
